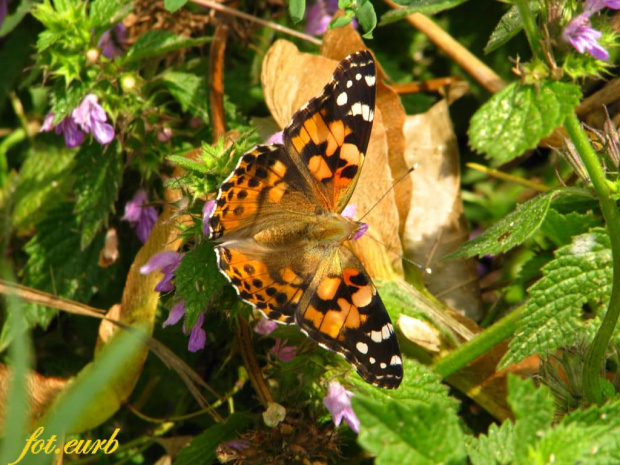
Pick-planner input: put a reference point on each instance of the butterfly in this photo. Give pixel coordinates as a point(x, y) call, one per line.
point(282, 241)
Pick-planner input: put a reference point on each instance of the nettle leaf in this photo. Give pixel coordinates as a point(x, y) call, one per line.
point(158, 42)
point(174, 5)
point(428, 7)
point(44, 179)
point(190, 91)
point(297, 9)
point(562, 228)
point(494, 448)
point(509, 26)
point(199, 282)
point(412, 432)
point(203, 447)
point(518, 117)
point(103, 12)
point(533, 409)
point(99, 173)
point(367, 17)
point(580, 275)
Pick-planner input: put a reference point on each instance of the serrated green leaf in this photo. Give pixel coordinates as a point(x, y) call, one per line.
point(44, 179)
point(561, 228)
point(12, 21)
point(297, 9)
point(102, 12)
point(409, 433)
point(202, 448)
point(199, 282)
point(518, 117)
point(494, 448)
point(188, 164)
point(580, 274)
point(509, 26)
point(190, 91)
point(365, 13)
point(510, 231)
point(99, 173)
point(174, 5)
point(533, 409)
point(157, 42)
point(428, 7)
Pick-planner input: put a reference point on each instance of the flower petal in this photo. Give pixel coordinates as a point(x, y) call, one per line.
point(198, 336)
point(176, 313)
point(161, 260)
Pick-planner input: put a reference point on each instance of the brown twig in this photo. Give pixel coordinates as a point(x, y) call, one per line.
point(244, 337)
point(461, 56)
point(431, 85)
point(216, 80)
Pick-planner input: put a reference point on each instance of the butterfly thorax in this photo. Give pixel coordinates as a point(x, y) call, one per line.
point(327, 229)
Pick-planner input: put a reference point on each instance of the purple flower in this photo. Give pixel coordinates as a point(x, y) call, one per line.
point(176, 313)
point(112, 41)
point(265, 326)
point(47, 122)
point(92, 118)
point(593, 6)
point(319, 15)
point(208, 208)
point(164, 135)
point(73, 136)
point(276, 138)
point(583, 37)
point(285, 354)
point(338, 402)
point(142, 218)
point(197, 336)
point(349, 212)
point(167, 262)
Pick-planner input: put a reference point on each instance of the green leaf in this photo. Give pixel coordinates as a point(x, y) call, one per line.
point(103, 12)
point(518, 117)
point(509, 26)
point(12, 21)
point(174, 5)
point(158, 42)
point(415, 432)
point(199, 282)
point(297, 9)
point(428, 7)
point(190, 91)
point(510, 231)
point(202, 448)
point(366, 16)
point(533, 409)
point(188, 164)
point(494, 448)
point(561, 228)
point(99, 172)
point(580, 274)
point(44, 179)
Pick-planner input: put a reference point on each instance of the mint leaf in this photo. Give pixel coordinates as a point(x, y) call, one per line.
point(190, 91)
point(494, 448)
point(199, 282)
point(561, 228)
point(414, 432)
point(157, 42)
point(99, 172)
point(202, 448)
point(428, 7)
point(297, 9)
point(509, 26)
point(553, 317)
point(518, 117)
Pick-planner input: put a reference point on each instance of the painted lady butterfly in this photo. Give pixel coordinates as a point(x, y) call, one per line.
point(282, 241)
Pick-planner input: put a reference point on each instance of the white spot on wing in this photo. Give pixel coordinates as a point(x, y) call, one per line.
point(361, 109)
point(358, 77)
point(385, 331)
point(376, 336)
point(383, 365)
point(349, 84)
point(396, 360)
point(370, 80)
point(372, 360)
point(342, 99)
point(361, 347)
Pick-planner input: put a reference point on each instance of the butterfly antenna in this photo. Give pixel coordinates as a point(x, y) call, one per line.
point(425, 269)
point(409, 171)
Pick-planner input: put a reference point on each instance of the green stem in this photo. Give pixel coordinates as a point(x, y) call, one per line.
point(598, 348)
point(479, 345)
point(532, 31)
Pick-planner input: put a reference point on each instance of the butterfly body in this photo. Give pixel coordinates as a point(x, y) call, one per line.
point(283, 242)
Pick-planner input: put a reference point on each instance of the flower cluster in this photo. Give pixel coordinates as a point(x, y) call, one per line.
point(580, 33)
point(89, 117)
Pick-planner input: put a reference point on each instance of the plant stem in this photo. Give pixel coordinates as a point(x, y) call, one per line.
point(598, 348)
point(479, 345)
point(530, 28)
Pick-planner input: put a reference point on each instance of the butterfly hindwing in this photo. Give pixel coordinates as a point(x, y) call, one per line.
point(330, 133)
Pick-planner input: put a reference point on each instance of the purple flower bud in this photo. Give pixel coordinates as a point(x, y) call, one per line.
point(112, 41)
point(176, 313)
point(92, 118)
point(142, 218)
point(47, 122)
point(197, 336)
point(265, 326)
point(583, 37)
point(285, 354)
point(167, 262)
point(338, 402)
point(164, 135)
point(208, 208)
